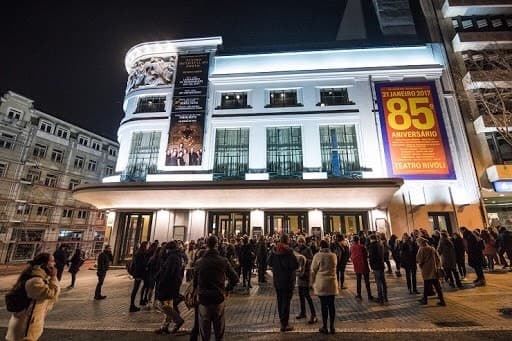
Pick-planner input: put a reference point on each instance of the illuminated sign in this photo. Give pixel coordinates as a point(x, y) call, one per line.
point(502, 186)
point(413, 132)
point(185, 146)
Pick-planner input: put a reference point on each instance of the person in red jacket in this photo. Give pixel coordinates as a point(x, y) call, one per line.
point(359, 257)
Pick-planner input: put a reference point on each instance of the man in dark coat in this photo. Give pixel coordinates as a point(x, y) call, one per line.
point(474, 250)
point(168, 289)
point(210, 276)
point(261, 259)
point(342, 250)
point(246, 261)
point(304, 280)
point(284, 266)
point(104, 260)
point(376, 257)
point(61, 259)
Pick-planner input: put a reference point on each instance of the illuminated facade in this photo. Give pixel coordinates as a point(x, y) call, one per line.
point(315, 141)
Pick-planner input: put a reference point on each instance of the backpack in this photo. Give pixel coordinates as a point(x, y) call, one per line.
point(16, 299)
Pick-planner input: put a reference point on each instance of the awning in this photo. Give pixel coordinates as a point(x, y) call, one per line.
point(240, 194)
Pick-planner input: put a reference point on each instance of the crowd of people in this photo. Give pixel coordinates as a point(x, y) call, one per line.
point(211, 267)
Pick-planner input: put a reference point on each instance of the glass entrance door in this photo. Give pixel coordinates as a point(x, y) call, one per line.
point(440, 221)
point(285, 222)
point(346, 223)
point(228, 224)
point(134, 228)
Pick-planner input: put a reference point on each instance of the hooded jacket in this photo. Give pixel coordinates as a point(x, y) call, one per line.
point(28, 324)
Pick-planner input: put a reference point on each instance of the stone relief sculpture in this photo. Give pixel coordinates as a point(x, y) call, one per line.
point(152, 71)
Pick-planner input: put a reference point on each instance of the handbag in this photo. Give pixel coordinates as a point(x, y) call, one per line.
point(439, 270)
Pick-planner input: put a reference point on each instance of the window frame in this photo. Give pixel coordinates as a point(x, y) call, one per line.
point(83, 140)
point(344, 98)
point(39, 150)
point(46, 126)
point(15, 113)
point(92, 165)
point(78, 162)
point(62, 133)
point(54, 155)
point(239, 103)
point(4, 169)
point(272, 94)
point(7, 141)
point(96, 145)
point(51, 180)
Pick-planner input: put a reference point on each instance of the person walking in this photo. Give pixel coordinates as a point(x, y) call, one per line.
point(168, 289)
point(376, 256)
point(408, 251)
point(304, 257)
point(342, 250)
point(211, 273)
point(74, 266)
point(42, 287)
point(325, 284)
point(474, 248)
point(138, 272)
point(429, 263)
point(284, 268)
point(359, 257)
point(61, 260)
point(104, 260)
point(446, 250)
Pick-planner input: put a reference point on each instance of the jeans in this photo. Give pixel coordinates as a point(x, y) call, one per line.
point(136, 286)
point(380, 280)
point(60, 270)
point(328, 309)
point(366, 276)
point(410, 276)
point(208, 315)
point(171, 315)
point(194, 333)
point(303, 296)
point(461, 265)
point(101, 279)
point(452, 275)
point(262, 269)
point(246, 275)
point(284, 297)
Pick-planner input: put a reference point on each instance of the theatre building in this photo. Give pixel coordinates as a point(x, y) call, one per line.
point(317, 141)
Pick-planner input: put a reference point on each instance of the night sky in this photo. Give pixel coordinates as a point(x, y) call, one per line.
point(69, 56)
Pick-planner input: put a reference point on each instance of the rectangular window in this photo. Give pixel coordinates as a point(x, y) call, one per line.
point(337, 96)
point(46, 126)
point(284, 152)
point(233, 100)
point(501, 150)
point(96, 145)
point(151, 104)
point(67, 213)
point(91, 165)
point(112, 151)
point(33, 175)
point(79, 162)
point(62, 133)
point(82, 214)
point(283, 98)
point(73, 183)
point(231, 153)
point(3, 169)
point(57, 155)
point(143, 155)
point(50, 180)
point(7, 140)
point(340, 155)
point(109, 170)
point(84, 141)
point(14, 114)
point(39, 150)
point(23, 209)
point(42, 211)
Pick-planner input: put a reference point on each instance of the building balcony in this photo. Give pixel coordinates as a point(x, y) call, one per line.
point(454, 8)
point(489, 40)
point(487, 79)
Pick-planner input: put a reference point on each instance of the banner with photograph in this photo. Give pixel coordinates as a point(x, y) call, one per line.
point(185, 145)
point(413, 132)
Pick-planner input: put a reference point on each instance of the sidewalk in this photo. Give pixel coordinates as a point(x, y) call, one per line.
point(254, 314)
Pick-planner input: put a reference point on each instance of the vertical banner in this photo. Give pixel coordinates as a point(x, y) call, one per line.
point(413, 131)
point(185, 146)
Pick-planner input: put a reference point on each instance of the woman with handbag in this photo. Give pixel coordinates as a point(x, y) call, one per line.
point(430, 266)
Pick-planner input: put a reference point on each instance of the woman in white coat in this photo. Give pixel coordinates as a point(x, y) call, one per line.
point(42, 287)
point(325, 285)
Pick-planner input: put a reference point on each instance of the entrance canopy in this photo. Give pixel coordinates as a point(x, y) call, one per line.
point(306, 194)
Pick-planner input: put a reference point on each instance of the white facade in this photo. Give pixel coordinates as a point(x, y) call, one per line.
point(192, 194)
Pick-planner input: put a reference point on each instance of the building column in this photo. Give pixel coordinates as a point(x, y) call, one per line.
point(196, 225)
point(257, 161)
point(315, 222)
point(257, 219)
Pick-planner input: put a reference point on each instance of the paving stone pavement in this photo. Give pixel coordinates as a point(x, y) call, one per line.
point(471, 310)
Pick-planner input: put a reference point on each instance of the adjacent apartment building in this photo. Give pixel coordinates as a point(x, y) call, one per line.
point(42, 159)
point(477, 36)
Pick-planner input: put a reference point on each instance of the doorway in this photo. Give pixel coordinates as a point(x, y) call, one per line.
point(285, 222)
point(134, 228)
point(346, 223)
point(228, 224)
point(440, 221)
